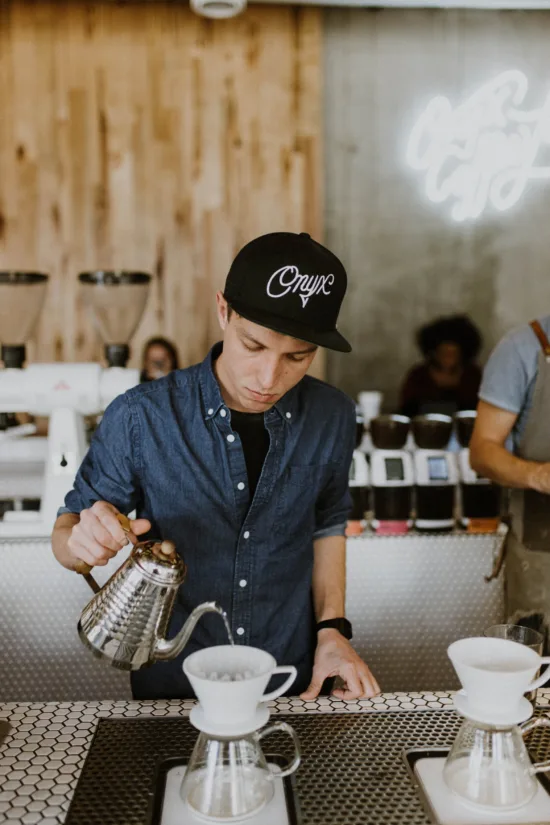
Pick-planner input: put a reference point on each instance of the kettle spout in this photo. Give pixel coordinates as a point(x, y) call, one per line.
point(166, 649)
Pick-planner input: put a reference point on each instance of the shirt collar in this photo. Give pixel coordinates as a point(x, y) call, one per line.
point(212, 398)
point(211, 394)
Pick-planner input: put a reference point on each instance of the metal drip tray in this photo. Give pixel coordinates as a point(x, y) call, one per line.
point(353, 770)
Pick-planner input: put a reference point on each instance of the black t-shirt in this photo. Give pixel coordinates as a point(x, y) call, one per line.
point(255, 440)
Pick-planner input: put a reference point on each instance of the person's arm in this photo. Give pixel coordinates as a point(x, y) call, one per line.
point(107, 483)
point(490, 458)
point(329, 578)
point(334, 655)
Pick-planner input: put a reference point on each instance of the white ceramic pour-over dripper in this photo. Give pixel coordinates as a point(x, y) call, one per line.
point(495, 675)
point(233, 702)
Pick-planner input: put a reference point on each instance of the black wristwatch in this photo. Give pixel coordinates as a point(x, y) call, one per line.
point(342, 625)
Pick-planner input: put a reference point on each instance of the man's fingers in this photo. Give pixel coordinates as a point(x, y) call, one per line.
point(359, 685)
point(92, 524)
point(314, 687)
point(370, 685)
point(108, 515)
point(140, 526)
point(354, 686)
point(91, 551)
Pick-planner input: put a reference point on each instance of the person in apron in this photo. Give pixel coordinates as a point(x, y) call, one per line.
point(511, 446)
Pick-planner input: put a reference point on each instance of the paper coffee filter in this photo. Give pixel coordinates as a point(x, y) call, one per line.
point(235, 661)
point(493, 654)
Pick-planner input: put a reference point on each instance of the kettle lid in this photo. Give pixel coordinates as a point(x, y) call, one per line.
point(159, 562)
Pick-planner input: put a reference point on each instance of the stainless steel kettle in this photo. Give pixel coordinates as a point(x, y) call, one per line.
point(126, 620)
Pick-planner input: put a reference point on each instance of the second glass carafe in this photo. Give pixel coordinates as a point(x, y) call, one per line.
point(489, 767)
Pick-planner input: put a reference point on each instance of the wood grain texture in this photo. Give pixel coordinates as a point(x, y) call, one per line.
point(142, 136)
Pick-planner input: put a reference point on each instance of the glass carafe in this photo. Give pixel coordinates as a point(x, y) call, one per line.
point(489, 767)
point(228, 778)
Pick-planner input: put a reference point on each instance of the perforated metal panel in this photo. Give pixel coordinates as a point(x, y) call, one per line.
point(352, 773)
point(40, 603)
point(409, 597)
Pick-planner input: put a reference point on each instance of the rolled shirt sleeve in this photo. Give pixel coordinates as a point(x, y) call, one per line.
point(108, 471)
point(506, 377)
point(334, 504)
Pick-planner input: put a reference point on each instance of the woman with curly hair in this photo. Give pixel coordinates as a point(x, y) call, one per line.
point(448, 380)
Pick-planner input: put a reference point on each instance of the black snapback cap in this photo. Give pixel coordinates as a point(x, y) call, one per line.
point(291, 284)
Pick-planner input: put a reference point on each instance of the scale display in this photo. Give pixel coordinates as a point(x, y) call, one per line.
point(394, 469)
point(437, 468)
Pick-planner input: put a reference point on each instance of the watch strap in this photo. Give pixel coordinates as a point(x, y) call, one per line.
point(342, 625)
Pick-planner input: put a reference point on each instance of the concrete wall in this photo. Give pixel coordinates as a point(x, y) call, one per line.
point(408, 259)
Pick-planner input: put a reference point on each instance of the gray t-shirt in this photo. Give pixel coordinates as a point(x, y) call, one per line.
point(510, 375)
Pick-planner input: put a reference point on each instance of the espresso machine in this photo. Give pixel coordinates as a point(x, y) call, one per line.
point(392, 474)
point(480, 497)
point(66, 393)
point(436, 472)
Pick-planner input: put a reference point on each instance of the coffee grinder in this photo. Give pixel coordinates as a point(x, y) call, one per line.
point(392, 474)
point(481, 498)
point(436, 472)
point(66, 393)
point(358, 484)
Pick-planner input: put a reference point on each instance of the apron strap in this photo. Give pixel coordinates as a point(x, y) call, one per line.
point(541, 335)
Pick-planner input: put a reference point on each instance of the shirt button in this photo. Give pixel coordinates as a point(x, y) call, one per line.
point(240, 631)
point(240, 485)
point(231, 438)
point(223, 413)
point(289, 415)
point(246, 534)
point(243, 583)
point(210, 411)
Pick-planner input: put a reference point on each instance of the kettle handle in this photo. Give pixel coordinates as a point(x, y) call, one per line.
point(84, 569)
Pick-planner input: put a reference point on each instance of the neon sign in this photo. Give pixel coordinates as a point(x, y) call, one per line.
point(482, 153)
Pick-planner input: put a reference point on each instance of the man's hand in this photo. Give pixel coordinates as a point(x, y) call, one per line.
point(336, 657)
point(98, 536)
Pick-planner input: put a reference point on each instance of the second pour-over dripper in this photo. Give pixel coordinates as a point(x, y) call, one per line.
point(488, 766)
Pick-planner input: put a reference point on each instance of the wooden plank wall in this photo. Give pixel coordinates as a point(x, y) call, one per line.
point(142, 136)
point(407, 258)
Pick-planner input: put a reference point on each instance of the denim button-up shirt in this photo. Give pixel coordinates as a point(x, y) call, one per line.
point(166, 449)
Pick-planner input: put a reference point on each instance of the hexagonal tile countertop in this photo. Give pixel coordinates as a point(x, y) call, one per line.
point(43, 754)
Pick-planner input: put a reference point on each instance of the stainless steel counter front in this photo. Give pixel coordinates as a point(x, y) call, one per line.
point(408, 597)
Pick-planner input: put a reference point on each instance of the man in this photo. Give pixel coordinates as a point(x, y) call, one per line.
point(243, 462)
point(515, 402)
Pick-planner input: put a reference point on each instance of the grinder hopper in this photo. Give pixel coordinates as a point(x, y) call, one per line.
point(21, 299)
point(116, 301)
